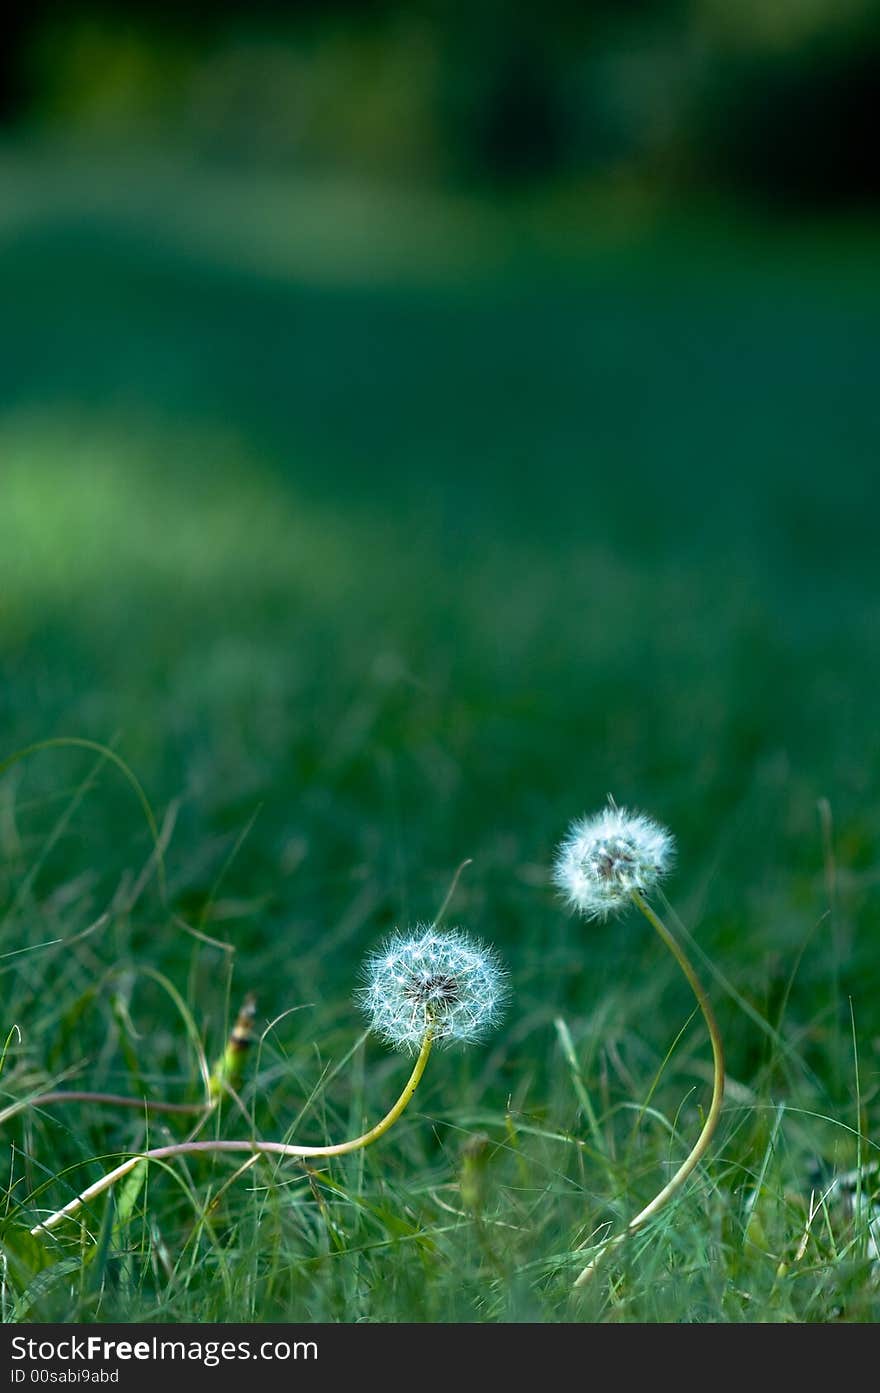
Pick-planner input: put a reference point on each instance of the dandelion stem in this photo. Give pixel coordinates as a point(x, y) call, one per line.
point(255, 1148)
point(705, 1137)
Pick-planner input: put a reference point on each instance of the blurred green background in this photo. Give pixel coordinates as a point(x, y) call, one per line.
point(419, 426)
point(773, 100)
point(418, 423)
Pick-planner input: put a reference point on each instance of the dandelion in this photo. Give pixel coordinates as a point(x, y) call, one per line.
point(445, 984)
point(420, 989)
point(605, 863)
point(604, 858)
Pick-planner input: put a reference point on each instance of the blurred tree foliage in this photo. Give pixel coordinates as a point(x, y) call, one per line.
point(769, 99)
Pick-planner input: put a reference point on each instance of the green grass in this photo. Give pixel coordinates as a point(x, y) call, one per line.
point(373, 537)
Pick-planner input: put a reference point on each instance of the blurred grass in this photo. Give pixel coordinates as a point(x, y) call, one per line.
point(378, 535)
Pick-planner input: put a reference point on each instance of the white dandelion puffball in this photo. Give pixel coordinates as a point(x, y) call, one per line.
point(604, 858)
point(426, 980)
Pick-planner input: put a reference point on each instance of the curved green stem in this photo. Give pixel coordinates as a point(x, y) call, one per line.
point(254, 1148)
point(702, 1142)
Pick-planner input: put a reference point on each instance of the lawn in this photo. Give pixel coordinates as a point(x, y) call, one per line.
point(367, 535)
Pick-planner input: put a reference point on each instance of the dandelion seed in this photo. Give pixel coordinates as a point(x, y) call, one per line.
point(606, 857)
point(445, 983)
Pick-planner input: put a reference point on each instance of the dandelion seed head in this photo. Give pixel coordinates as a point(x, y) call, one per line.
point(425, 979)
point(607, 856)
